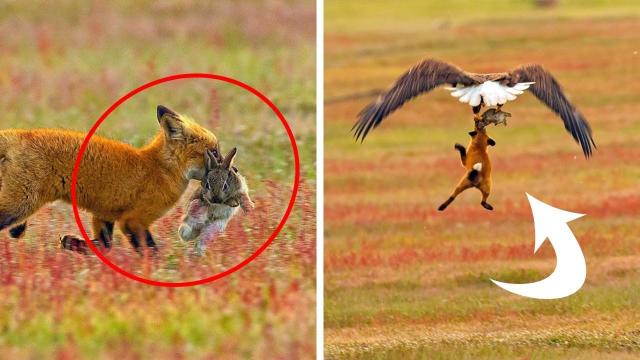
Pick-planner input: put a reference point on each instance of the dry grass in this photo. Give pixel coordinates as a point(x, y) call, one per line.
point(62, 65)
point(405, 281)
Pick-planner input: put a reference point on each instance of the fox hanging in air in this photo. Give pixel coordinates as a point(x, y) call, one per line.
point(475, 159)
point(116, 182)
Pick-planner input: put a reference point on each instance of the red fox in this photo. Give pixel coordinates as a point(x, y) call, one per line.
point(116, 182)
point(475, 159)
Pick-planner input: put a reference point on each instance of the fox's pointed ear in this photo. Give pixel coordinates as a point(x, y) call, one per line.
point(228, 160)
point(171, 123)
point(163, 110)
point(473, 133)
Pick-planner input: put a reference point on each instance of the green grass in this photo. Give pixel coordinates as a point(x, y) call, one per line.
point(404, 281)
point(62, 65)
point(352, 17)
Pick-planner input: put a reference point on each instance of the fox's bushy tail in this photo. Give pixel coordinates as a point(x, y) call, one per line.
point(463, 153)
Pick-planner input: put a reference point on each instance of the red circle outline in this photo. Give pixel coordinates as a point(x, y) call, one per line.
point(245, 262)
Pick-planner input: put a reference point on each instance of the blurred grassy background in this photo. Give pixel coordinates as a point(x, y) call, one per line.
point(404, 281)
point(63, 63)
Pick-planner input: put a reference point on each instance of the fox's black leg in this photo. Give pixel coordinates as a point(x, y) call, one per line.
point(463, 185)
point(18, 230)
point(486, 205)
point(149, 239)
point(446, 203)
point(103, 230)
point(70, 242)
point(133, 239)
point(463, 153)
point(485, 189)
point(74, 243)
point(106, 234)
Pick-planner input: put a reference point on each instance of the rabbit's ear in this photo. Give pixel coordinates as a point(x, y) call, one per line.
point(210, 160)
point(228, 160)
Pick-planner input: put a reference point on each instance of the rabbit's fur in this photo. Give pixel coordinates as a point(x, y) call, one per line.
point(211, 206)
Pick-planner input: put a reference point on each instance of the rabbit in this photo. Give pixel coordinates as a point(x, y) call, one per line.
point(223, 190)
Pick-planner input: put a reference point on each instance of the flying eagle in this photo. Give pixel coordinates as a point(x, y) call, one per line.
point(477, 90)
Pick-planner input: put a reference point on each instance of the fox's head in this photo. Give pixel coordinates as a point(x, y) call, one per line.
point(481, 138)
point(187, 141)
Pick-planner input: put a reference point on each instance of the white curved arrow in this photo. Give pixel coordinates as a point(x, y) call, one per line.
point(571, 269)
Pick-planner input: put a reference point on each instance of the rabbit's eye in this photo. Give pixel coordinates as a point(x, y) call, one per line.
point(207, 186)
point(225, 187)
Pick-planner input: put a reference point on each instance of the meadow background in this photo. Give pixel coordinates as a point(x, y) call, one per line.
point(403, 281)
point(61, 65)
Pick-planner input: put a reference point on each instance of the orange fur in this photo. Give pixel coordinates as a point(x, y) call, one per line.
point(116, 182)
point(475, 153)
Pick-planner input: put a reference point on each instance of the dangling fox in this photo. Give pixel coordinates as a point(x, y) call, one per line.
point(475, 159)
point(116, 182)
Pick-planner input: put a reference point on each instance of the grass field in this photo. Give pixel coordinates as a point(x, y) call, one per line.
point(62, 65)
point(403, 281)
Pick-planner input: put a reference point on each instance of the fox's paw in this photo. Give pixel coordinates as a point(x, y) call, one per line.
point(72, 243)
point(445, 204)
point(18, 231)
point(151, 252)
point(486, 205)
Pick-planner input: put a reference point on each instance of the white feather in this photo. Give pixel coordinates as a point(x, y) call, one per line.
point(522, 86)
point(475, 98)
point(491, 93)
point(492, 97)
point(459, 92)
point(466, 97)
point(513, 91)
point(502, 97)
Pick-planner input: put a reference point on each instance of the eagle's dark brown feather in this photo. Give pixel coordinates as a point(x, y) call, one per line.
point(431, 73)
point(547, 90)
point(421, 78)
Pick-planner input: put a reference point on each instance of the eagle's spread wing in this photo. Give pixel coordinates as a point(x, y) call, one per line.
point(547, 90)
point(421, 78)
